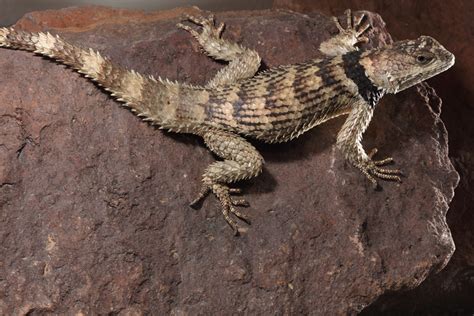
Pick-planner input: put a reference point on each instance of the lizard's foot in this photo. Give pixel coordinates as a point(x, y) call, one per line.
point(241, 161)
point(372, 169)
point(355, 27)
point(223, 193)
point(348, 37)
point(209, 30)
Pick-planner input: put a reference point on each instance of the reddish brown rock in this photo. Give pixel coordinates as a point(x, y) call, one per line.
point(95, 215)
point(451, 23)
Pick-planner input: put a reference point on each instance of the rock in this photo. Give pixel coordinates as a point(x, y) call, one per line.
point(95, 215)
point(451, 23)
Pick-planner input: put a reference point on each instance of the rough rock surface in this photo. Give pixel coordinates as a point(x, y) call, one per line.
point(451, 23)
point(94, 215)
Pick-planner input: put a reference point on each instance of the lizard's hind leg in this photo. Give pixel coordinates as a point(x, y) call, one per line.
point(243, 62)
point(241, 161)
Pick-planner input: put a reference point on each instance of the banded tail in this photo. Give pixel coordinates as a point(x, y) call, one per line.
point(153, 100)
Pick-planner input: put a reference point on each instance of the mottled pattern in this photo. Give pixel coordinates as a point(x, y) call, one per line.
point(274, 106)
point(282, 103)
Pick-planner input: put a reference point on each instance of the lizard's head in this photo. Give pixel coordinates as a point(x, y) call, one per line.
point(406, 63)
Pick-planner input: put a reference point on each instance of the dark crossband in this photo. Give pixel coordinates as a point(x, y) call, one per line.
point(356, 72)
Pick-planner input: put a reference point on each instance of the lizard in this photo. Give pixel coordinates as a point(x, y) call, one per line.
point(273, 106)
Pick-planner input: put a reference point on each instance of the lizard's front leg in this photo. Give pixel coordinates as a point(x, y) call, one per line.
point(241, 161)
point(348, 38)
point(349, 142)
point(243, 62)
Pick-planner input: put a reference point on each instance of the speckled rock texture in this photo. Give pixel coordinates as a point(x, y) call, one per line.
point(452, 290)
point(94, 203)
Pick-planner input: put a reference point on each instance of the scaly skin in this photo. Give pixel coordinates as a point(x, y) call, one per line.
point(273, 106)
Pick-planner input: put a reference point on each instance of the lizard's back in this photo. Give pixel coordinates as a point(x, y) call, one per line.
point(281, 103)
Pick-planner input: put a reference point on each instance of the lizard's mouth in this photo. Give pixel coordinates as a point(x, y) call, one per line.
point(446, 61)
point(450, 60)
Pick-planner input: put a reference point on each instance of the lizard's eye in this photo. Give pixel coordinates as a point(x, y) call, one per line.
point(423, 59)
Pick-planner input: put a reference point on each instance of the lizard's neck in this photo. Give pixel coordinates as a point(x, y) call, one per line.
point(355, 71)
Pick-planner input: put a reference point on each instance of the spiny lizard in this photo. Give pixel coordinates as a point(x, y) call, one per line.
point(275, 105)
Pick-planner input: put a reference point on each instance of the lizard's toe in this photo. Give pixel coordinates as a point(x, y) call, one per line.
point(383, 162)
point(358, 19)
point(220, 28)
point(241, 202)
point(372, 170)
point(222, 193)
point(240, 215)
point(338, 24)
point(230, 221)
point(367, 173)
point(356, 26)
point(387, 174)
point(205, 190)
point(207, 27)
point(362, 40)
point(348, 14)
point(189, 29)
point(199, 20)
point(361, 29)
point(235, 190)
